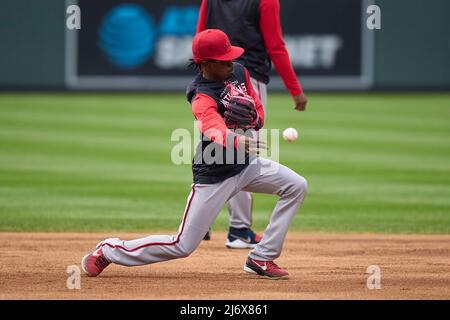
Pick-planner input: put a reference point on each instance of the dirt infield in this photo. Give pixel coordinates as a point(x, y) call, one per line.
point(33, 266)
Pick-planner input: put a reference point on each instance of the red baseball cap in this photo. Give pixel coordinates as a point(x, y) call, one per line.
point(213, 44)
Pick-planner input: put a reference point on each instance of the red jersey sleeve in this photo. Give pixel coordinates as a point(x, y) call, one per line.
point(273, 39)
point(210, 122)
point(201, 23)
point(251, 92)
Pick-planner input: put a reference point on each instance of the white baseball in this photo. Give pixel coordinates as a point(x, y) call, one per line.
point(290, 134)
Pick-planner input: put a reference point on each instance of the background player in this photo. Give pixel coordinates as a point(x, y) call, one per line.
point(255, 26)
point(212, 94)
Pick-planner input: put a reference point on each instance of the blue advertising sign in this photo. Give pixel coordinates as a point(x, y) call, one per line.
point(146, 45)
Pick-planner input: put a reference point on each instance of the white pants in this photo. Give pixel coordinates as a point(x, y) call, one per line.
point(240, 206)
point(204, 204)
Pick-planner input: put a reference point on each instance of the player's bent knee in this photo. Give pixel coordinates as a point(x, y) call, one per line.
point(185, 251)
point(298, 186)
point(302, 184)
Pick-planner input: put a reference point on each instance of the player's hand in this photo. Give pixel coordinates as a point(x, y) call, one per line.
point(251, 145)
point(300, 101)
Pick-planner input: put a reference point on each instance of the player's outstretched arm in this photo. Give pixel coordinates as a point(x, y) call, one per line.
point(273, 39)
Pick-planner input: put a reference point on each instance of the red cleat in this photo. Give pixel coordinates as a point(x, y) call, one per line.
point(267, 269)
point(93, 264)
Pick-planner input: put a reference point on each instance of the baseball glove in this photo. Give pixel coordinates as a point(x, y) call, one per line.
point(241, 113)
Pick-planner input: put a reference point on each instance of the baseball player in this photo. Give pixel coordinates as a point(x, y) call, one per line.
point(255, 26)
point(224, 102)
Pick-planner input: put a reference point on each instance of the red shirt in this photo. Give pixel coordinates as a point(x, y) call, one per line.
point(270, 27)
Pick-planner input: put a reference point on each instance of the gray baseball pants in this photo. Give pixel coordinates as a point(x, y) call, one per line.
point(204, 204)
point(240, 206)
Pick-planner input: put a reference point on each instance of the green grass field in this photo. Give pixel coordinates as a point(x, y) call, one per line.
point(101, 162)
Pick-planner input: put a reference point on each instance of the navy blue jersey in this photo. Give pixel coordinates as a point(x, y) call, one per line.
point(228, 162)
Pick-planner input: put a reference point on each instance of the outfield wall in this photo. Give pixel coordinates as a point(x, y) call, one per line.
point(330, 45)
